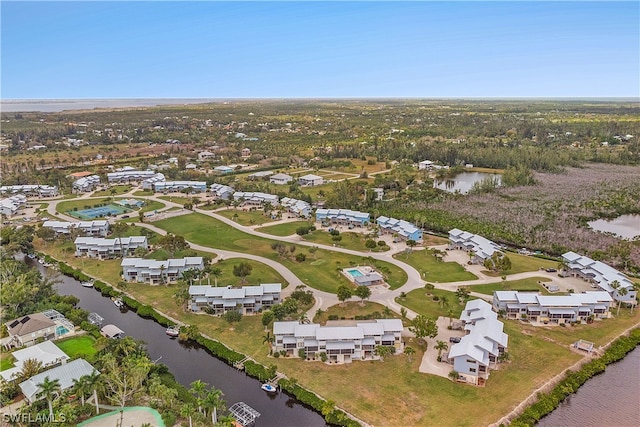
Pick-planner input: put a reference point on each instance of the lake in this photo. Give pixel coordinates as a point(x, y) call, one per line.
point(624, 227)
point(463, 182)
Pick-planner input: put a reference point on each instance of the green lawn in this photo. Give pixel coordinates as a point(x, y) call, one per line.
point(522, 263)
point(350, 240)
point(6, 361)
point(255, 217)
point(422, 302)
point(433, 270)
point(320, 270)
point(143, 193)
point(350, 309)
point(82, 346)
point(81, 204)
point(181, 200)
point(285, 229)
point(530, 284)
point(117, 190)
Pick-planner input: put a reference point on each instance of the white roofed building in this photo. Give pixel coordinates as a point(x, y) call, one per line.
point(247, 299)
point(47, 353)
point(221, 191)
point(602, 275)
point(96, 247)
point(65, 374)
point(481, 247)
point(343, 217)
point(255, 198)
point(148, 183)
point(10, 206)
point(127, 175)
point(35, 190)
point(175, 186)
point(86, 184)
point(156, 272)
point(310, 180)
point(280, 179)
point(479, 350)
point(399, 227)
point(97, 228)
point(341, 341)
point(295, 207)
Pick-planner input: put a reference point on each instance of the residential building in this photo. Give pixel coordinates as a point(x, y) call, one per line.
point(223, 169)
point(245, 152)
point(342, 341)
point(295, 207)
point(47, 353)
point(148, 184)
point(404, 230)
point(10, 206)
point(65, 375)
point(479, 247)
point(86, 183)
point(310, 180)
point(129, 175)
point(281, 179)
point(601, 275)
point(96, 247)
point(220, 191)
point(247, 299)
point(480, 349)
point(379, 194)
point(156, 272)
point(343, 217)
point(27, 329)
point(255, 199)
point(204, 155)
point(34, 190)
point(425, 165)
point(538, 308)
point(176, 186)
point(259, 175)
point(97, 228)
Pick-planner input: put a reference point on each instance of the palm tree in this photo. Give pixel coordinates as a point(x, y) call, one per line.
point(49, 389)
point(450, 315)
point(213, 401)
point(198, 389)
point(186, 410)
point(30, 367)
point(93, 382)
point(622, 292)
point(409, 351)
point(443, 301)
point(303, 318)
point(80, 387)
point(440, 346)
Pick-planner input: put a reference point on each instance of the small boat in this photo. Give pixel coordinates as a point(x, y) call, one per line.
point(173, 331)
point(87, 284)
point(268, 388)
point(118, 302)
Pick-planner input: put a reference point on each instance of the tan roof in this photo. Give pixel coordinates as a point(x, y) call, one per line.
point(28, 324)
point(81, 174)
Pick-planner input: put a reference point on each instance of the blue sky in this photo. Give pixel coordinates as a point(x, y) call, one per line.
point(334, 49)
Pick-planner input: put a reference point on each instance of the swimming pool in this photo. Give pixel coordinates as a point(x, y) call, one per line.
point(61, 330)
point(355, 273)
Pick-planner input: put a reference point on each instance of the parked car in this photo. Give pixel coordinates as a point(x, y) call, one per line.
point(551, 270)
point(125, 216)
point(455, 340)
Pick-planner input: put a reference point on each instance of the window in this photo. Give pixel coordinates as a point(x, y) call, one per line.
point(471, 361)
point(472, 369)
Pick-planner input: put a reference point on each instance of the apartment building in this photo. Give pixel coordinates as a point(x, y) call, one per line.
point(156, 272)
point(247, 299)
point(95, 247)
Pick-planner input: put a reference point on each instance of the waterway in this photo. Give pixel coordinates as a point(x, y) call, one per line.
point(192, 362)
point(609, 399)
point(624, 226)
point(463, 182)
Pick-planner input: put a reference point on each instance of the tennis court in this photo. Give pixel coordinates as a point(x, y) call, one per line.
point(99, 212)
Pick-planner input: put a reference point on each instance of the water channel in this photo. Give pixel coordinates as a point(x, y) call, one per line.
point(192, 362)
point(623, 227)
point(464, 182)
point(609, 399)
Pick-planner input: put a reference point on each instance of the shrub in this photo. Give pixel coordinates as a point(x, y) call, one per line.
point(301, 257)
point(232, 316)
point(382, 243)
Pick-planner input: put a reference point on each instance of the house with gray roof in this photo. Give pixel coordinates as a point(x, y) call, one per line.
point(480, 247)
point(310, 180)
point(246, 300)
point(126, 175)
point(255, 199)
point(601, 275)
point(47, 353)
point(342, 341)
point(155, 272)
point(343, 217)
point(479, 350)
point(10, 206)
point(295, 207)
point(98, 247)
point(65, 374)
point(86, 183)
point(35, 190)
point(148, 183)
point(221, 191)
point(97, 228)
point(557, 309)
point(27, 329)
point(404, 230)
point(280, 179)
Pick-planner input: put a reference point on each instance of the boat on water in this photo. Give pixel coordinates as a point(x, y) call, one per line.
point(87, 284)
point(268, 388)
point(118, 302)
point(173, 331)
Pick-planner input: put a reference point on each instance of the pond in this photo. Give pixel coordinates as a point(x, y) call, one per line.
point(463, 182)
point(624, 227)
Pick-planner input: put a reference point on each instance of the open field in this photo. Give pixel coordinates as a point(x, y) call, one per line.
point(114, 190)
point(6, 362)
point(422, 302)
point(255, 217)
point(530, 284)
point(285, 229)
point(320, 270)
point(433, 270)
point(350, 309)
point(350, 240)
point(521, 263)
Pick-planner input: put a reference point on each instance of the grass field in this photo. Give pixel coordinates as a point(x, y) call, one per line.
point(82, 346)
point(433, 270)
point(351, 309)
point(522, 263)
point(325, 276)
point(6, 361)
point(117, 190)
point(80, 204)
point(285, 229)
point(256, 217)
point(421, 301)
point(350, 240)
point(530, 284)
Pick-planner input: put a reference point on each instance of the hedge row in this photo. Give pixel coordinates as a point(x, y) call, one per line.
point(220, 350)
point(548, 402)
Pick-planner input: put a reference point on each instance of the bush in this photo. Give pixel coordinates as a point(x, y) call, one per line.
point(232, 316)
point(370, 244)
point(301, 257)
point(382, 243)
point(301, 231)
point(333, 317)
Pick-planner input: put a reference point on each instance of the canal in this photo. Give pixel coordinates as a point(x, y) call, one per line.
point(192, 362)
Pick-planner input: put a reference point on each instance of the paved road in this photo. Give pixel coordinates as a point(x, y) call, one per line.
point(324, 300)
